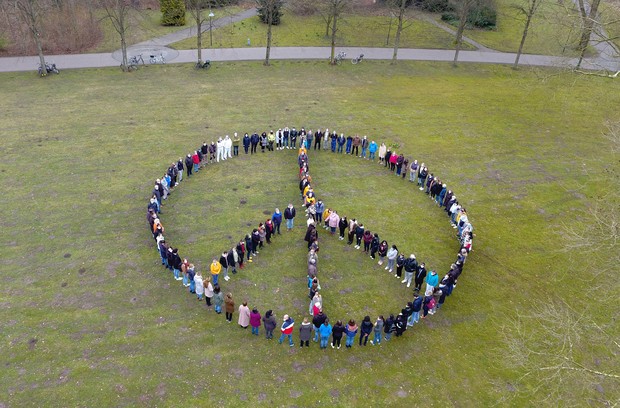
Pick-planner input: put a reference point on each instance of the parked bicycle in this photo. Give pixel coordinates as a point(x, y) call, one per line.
point(157, 59)
point(339, 57)
point(357, 59)
point(134, 61)
point(203, 65)
point(49, 69)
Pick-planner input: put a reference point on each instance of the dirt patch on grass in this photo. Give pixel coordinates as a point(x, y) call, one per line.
point(32, 343)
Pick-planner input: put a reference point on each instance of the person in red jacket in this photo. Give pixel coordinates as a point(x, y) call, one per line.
point(196, 161)
point(287, 330)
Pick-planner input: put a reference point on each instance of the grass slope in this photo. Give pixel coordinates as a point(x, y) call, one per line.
point(90, 318)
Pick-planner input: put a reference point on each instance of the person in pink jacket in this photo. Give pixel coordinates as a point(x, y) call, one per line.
point(333, 221)
point(244, 315)
point(255, 319)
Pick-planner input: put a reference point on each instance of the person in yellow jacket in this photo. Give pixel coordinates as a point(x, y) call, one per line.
point(216, 268)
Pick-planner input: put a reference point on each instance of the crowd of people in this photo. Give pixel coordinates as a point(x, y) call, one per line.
point(318, 215)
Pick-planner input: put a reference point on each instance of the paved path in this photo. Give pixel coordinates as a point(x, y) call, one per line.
point(9, 64)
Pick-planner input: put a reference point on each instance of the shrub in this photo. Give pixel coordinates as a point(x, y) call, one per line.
point(263, 6)
point(483, 15)
point(433, 6)
point(172, 12)
point(302, 7)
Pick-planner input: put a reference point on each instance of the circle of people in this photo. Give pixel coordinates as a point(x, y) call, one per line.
point(318, 215)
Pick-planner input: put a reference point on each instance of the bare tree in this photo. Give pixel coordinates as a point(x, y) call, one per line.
point(270, 10)
point(562, 354)
point(462, 8)
point(589, 15)
point(118, 12)
point(196, 8)
point(528, 12)
point(332, 11)
point(31, 13)
point(401, 6)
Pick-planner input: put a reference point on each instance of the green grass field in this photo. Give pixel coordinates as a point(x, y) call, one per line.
point(90, 318)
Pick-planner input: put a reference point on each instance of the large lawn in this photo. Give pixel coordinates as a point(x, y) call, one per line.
point(90, 318)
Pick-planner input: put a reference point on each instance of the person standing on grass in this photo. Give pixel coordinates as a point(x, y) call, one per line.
point(255, 321)
point(400, 263)
point(180, 168)
point(432, 280)
point(374, 245)
point(341, 141)
point(276, 219)
point(388, 326)
point(419, 277)
point(334, 141)
point(351, 331)
point(309, 138)
point(196, 161)
point(224, 264)
point(325, 330)
point(244, 315)
point(359, 234)
point(392, 254)
point(333, 220)
point(215, 269)
point(416, 306)
point(364, 146)
point(229, 303)
point(268, 230)
point(411, 267)
point(372, 149)
point(271, 139)
point(422, 174)
point(289, 216)
point(190, 277)
point(352, 228)
point(383, 248)
point(263, 142)
point(367, 241)
point(365, 330)
point(246, 143)
point(254, 139)
point(318, 138)
point(189, 164)
point(218, 298)
point(337, 332)
point(235, 142)
point(378, 330)
point(255, 241)
point(413, 171)
point(342, 225)
point(287, 330)
point(249, 247)
point(348, 144)
point(319, 208)
point(305, 332)
point(357, 141)
point(200, 289)
point(400, 325)
point(204, 149)
point(405, 167)
point(208, 289)
point(318, 320)
point(269, 322)
point(262, 233)
point(232, 258)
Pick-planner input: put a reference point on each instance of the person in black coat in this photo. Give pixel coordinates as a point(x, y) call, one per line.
point(189, 164)
point(359, 234)
point(246, 143)
point(254, 141)
point(388, 326)
point(374, 246)
point(365, 330)
point(317, 321)
point(337, 333)
point(419, 276)
point(249, 247)
point(400, 325)
point(255, 240)
point(230, 258)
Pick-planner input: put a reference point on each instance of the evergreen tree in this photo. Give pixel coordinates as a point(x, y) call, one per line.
point(172, 12)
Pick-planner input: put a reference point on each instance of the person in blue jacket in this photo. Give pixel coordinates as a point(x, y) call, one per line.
point(320, 209)
point(432, 280)
point(416, 308)
point(372, 149)
point(341, 141)
point(351, 331)
point(254, 140)
point(325, 330)
point(276, 218)
point(334, 138)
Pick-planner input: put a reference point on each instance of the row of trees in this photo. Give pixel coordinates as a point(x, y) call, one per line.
point(33, 12)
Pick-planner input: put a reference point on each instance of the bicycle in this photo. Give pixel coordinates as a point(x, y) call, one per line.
point(49, 69)
point(157, 59)
point(133, 62)
point(357, 59)
point(339, 57)
point(203, 65)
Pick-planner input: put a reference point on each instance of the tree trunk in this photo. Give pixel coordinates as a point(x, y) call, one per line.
point(399, 30)
point(525, 30)
point(589, 19)
point(199, 36)
point(37, 40)
point(268, 49)
point(459, 39)
point(334, 30)
point(328, 21)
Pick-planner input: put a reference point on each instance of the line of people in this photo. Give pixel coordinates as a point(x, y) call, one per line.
point(435, 292)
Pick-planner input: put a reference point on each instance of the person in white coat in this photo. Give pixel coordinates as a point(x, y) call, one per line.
point(220, 150)
point(392, 254)
point(200, 289)
point(227, 142)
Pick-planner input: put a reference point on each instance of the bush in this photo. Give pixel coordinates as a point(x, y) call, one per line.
point(483, 16)
point(433, 6)
point(263, 10)
point(172, 12)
